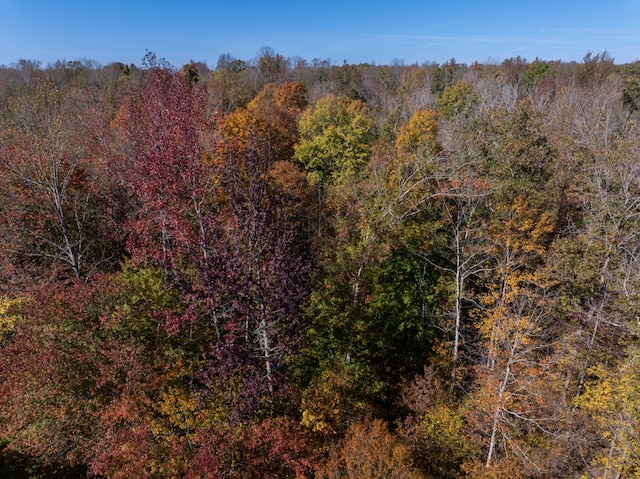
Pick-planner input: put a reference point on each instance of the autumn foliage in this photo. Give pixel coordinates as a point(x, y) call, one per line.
point(307, 270)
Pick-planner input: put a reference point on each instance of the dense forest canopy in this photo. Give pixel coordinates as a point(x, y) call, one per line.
point(283, 268)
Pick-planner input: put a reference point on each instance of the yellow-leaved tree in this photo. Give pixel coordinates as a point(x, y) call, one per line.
point(514, 393)
point(8, 318)
point(612, 400)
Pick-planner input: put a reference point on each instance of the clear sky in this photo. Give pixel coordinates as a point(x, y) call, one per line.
point(378, 32)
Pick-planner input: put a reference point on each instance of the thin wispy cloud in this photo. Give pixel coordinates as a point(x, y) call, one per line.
point(361, 32)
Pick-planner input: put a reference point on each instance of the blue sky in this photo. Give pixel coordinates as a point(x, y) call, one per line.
point(354, 31)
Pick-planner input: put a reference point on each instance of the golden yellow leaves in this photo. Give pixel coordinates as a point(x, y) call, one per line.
point(8, 318)
point(525, 229)
point(612, 400)
point(420, 135)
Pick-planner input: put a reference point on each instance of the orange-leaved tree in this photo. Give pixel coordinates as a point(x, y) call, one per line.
point(369, 450)
point(513, 403)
